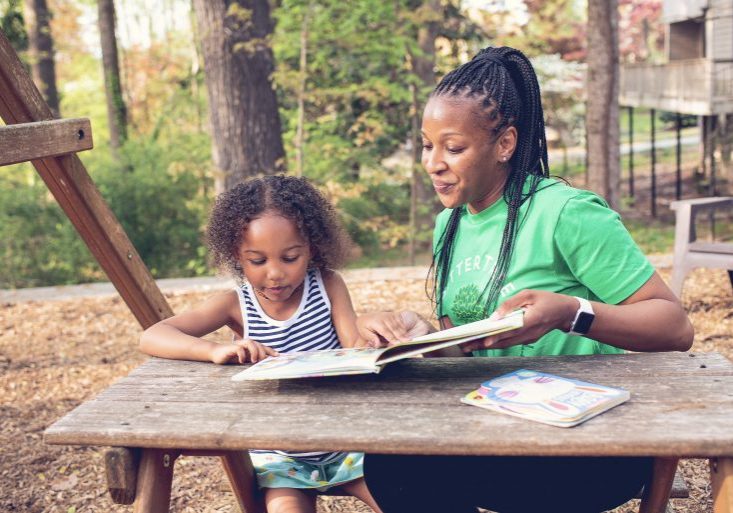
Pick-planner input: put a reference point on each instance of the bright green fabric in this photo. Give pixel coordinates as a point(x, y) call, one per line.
point(568, 241)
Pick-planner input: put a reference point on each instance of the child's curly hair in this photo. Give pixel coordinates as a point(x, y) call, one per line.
point(293, 198)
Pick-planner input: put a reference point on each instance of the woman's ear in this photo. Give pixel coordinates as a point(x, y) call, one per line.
point(506, 144)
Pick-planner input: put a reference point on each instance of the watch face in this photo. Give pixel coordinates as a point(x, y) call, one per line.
point(582, 324)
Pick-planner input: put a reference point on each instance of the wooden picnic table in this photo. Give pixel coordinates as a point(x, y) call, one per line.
point(681, 407)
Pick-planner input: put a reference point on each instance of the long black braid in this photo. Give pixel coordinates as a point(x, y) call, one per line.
point(505, 82)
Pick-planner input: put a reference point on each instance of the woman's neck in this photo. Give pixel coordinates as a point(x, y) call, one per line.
point(488, 199)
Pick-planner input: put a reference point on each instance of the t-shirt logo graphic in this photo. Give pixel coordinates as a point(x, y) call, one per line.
point(467, 305)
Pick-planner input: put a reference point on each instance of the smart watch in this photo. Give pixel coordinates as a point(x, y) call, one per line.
point(583, 318)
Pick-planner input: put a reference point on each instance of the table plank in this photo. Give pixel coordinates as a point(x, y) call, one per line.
point(634, 364)
point(681, 405)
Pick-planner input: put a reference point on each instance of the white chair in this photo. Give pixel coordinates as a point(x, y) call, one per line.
point(688, 252)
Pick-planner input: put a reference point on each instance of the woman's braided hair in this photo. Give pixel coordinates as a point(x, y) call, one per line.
point(505, 83)
point(291, 197)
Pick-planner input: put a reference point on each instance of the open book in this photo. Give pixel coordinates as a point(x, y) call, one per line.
point(366, 360)
point(545, 397)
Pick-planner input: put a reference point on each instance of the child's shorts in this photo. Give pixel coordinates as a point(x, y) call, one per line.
point(278, 471)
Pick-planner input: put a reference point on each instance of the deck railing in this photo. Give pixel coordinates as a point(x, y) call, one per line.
point(691, 86)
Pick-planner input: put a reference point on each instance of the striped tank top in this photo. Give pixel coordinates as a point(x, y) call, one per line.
point(309, 329)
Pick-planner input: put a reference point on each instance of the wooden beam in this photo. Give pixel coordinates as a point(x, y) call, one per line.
point(69, 182)
point(31, 141)
point(121, 466)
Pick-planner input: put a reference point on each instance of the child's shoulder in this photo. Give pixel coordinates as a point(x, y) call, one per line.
point(333, 282)
point(330, 276)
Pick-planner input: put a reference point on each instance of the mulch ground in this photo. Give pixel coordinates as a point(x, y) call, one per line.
point(56, 354)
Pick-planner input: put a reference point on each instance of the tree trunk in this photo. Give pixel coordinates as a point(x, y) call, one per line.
point(303, 69)
point(40, 46)
point(423, 204)
point(602, 112)
point(116, 109)
point(238, 63)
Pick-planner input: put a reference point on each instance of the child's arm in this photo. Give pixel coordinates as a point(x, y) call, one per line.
point(342, 310)
point(178, 337)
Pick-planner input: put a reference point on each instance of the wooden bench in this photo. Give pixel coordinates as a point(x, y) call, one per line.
point(167, 408)
point(690, 253)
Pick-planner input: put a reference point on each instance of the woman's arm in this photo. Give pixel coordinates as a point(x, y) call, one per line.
point(342, 310)
point(651, 319)
point(179, 337)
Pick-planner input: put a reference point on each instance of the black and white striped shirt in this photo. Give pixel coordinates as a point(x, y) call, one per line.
point(309, 329)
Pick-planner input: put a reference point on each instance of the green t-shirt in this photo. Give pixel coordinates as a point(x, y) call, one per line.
point(568, 241)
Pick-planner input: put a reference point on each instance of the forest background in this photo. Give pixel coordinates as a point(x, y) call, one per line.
point(348, 94)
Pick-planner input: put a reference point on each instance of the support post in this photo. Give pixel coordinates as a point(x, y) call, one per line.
point(656, 493)
point(243, 481)
point(631, 151)
point(154, 480)
point(678, 176)
point(653, 113)
point(711, 151)
point(120, 467)
point(721, 477)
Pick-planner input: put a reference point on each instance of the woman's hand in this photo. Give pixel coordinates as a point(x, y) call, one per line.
point(543, 312)
point(241, 351)
point(389, 328)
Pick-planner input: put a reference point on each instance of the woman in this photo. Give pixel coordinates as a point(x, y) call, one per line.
point(510, 238)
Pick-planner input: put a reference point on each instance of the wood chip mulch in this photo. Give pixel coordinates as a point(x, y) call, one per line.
point(56, 354)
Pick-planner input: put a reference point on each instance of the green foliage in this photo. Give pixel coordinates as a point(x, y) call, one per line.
point(357, 98)
point(552, 27)
point(11, 24)
point(156, 191)
point(38, 244)
point(159, 195)
point(670, 119)
point(358, 111)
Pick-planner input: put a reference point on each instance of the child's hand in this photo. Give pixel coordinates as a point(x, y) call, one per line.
point(241, 351)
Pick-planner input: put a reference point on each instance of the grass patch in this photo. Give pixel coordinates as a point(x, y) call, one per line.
point(652, 236)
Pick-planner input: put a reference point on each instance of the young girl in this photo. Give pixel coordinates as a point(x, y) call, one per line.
point(281, 238)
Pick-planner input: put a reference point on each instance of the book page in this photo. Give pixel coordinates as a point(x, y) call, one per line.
point(413, 348)
point(314, 364)
point(451, 337)
point(482, 328)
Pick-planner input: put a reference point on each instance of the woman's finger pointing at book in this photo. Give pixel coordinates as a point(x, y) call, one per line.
point(382, 328)
point(415, 324)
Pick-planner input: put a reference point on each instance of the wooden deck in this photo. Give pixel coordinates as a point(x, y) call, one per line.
point(689, 86)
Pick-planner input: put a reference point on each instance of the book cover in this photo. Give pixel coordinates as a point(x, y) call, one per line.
point(546, 398)
point(364, 360)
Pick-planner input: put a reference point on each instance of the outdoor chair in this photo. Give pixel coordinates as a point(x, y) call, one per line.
point(690, 253)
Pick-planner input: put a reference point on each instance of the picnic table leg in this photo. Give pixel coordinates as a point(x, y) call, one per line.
point(656, 493)
point(154, 478)
point(721, 476)
point(243, 481)
point(120, 466)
